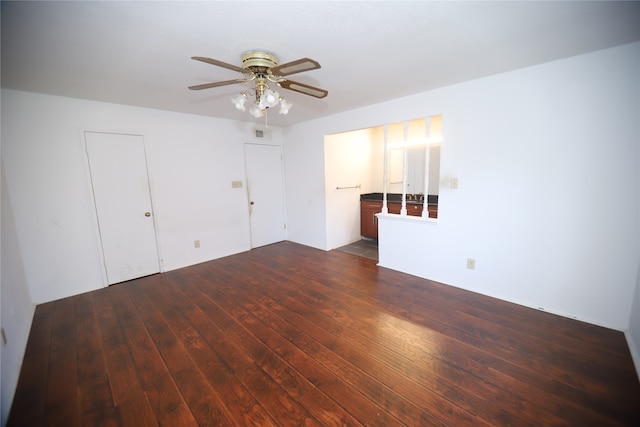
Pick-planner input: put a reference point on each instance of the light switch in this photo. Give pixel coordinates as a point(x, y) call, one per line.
point(471, 263)
point(454, 183)
point(236, 184)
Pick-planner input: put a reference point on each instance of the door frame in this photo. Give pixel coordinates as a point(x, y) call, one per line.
point(92, 200)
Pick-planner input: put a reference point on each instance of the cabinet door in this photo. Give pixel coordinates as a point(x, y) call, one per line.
point(415, 210)
point(394, 208)
point(368, 219)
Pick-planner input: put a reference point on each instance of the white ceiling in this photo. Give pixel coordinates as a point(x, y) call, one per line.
point(138, 53)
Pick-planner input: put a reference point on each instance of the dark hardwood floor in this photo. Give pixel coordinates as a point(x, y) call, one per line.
point(292, 336)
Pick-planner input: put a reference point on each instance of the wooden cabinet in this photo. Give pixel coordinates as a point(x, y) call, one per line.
point(413, 210)
point(394, 208)
point(369, 209)
point(368, 220)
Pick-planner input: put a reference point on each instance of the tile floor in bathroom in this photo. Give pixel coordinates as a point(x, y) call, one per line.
point(367, 248)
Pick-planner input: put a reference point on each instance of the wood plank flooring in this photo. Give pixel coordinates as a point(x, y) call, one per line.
point(287, 335)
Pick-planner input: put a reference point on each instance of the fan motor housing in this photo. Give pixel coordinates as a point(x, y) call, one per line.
point(259, 59)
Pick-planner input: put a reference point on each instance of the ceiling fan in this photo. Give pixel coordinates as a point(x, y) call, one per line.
point(263, 68)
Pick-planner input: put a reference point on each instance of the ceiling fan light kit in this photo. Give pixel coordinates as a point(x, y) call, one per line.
point(262, 68)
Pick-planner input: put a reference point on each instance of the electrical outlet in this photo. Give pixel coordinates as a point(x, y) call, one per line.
point(196, 244)
point(471, 263)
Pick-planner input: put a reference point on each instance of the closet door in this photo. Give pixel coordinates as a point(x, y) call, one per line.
point(124, 211)
point(265, 187)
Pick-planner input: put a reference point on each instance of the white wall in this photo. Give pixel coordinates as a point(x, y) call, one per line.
point(348, 158)
point(50, 245)
point(17, 307)
point(633, 331)
point(305, 187)
point(548, 204)
point(192, 161)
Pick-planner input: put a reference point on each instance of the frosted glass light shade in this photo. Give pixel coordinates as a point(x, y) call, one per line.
point(239, 101)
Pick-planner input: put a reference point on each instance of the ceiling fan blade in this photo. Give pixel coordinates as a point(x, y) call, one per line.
point(303, 88)
point(219, 63)
point(216, 84)
point(298, 66)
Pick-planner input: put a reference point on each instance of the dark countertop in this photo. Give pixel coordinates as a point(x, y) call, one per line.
point(412, 199)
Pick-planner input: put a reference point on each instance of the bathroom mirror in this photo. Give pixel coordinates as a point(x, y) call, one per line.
point(416, 143)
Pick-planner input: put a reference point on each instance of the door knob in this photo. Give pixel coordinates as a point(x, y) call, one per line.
point(147, 214)
point(252, 203)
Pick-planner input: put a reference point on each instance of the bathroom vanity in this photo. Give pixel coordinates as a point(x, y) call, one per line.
point(371, 204)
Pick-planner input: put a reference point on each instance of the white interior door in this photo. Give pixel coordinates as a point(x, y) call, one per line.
point(265, 188)
point(122, 197)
